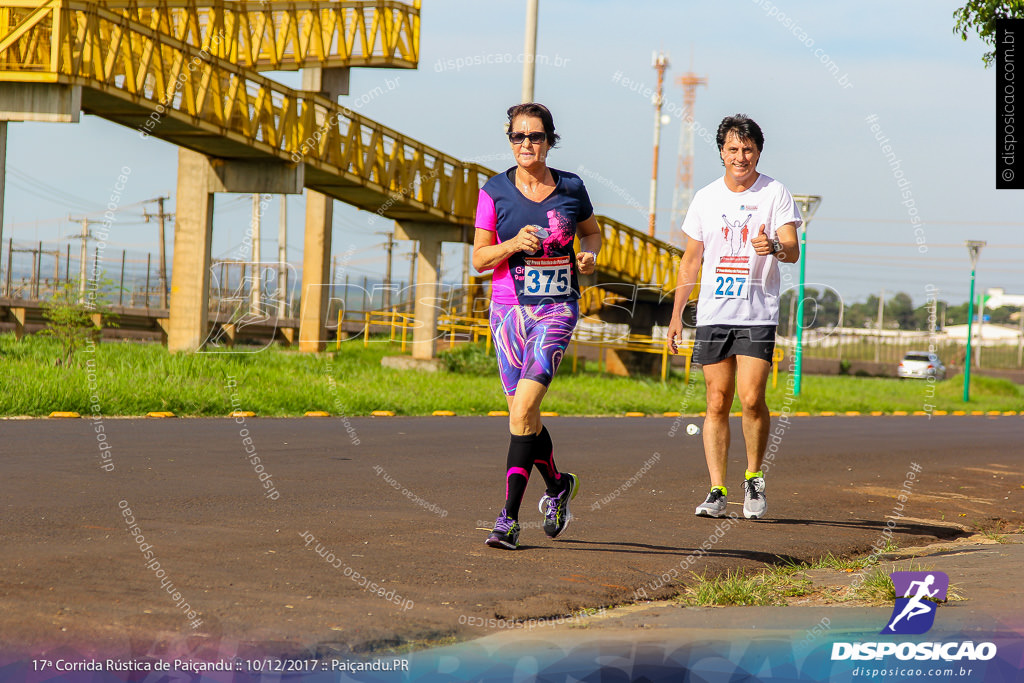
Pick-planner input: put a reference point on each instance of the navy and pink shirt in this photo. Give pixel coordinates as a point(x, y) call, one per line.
point(549, 275)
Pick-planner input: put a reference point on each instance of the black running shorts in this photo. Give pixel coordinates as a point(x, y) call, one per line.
point(715, 343)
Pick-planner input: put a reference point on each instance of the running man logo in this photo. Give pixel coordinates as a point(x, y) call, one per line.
point(736, 233)
point(914, 612)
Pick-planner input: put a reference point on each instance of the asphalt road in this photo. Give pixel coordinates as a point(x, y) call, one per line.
point(407, 502)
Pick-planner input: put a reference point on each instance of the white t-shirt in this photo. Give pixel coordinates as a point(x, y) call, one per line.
point(738, 287)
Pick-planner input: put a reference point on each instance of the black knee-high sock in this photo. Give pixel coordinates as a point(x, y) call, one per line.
point(544, 459)
point(519, 463)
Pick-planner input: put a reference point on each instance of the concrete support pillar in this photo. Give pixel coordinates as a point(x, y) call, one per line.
point(53, 102)
point(193, 232)
point(430, 236)
point(3, 185)
point(424, 334)
point(316, 265)
point(316, 260)
point(20, 316)
point(331, 83)
point(199, 177)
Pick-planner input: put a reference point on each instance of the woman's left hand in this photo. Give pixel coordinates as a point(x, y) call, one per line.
point(586, 262)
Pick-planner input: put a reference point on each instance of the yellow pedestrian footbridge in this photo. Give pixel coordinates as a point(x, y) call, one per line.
point(188, 72)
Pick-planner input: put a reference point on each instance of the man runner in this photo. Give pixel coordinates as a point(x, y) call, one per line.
point(741, 225)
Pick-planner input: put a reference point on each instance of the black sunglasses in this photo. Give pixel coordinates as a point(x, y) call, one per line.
point(535, 138)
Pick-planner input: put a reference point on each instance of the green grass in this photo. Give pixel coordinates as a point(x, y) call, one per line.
point(133, 379)
point(771, 586)
point(777, 584)
point(877, 587)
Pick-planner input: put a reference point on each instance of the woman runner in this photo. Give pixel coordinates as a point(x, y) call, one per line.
point(526, 219)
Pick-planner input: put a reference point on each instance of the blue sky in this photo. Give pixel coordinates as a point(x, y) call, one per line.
point(902, 63)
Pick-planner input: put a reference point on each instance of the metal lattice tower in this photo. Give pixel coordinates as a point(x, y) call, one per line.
point(683, 193)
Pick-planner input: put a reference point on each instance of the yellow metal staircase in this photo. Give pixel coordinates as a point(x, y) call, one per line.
point(186, 71)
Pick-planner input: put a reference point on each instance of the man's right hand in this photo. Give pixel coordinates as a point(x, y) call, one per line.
point(675, 333)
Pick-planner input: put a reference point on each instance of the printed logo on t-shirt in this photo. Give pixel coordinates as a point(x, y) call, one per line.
point(736, 233)
point(748, 207)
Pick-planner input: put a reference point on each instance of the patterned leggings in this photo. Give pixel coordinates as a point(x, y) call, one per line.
point(531, 340)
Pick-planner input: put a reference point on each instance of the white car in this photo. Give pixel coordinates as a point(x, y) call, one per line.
point(921, 365)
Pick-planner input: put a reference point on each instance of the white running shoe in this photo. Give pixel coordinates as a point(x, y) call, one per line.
point(714, 506)
point(754, 501)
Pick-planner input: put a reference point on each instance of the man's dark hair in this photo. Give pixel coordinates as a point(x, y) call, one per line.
point(744, 127)
point(538, 110)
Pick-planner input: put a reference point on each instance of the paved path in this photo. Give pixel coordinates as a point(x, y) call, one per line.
point(408, 507)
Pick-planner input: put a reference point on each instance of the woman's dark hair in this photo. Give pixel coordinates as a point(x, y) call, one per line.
point(744, 127)
point(538, 110)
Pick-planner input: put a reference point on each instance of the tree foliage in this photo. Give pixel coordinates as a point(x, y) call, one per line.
point(979, 16)
point(822, 311)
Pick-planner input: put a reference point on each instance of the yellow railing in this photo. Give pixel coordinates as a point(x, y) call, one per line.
point(473, 328)
point(637, 258)
point(228, 110)
point(283, 36)
point(398, 325)
point(171, 79)
point(636, 343)
point(479, 328)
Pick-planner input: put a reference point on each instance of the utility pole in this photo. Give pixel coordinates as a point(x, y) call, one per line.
point(412, 277)
point(790, 329)
point(973, 251)
point(1020, 338)
point(467, 258)
point(282, 259)
point(254, 288)
point(808, 205)
point(660, 63)
point(683, 192)
point(530, 50)
point(163, 247)
point(83, 257)
point(839, 339)
point(881, 309)
point(3, 180)
point(981, 325)
point(389, 247)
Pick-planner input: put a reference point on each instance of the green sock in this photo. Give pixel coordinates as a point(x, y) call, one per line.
point(751, 475)
point(725, 491)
